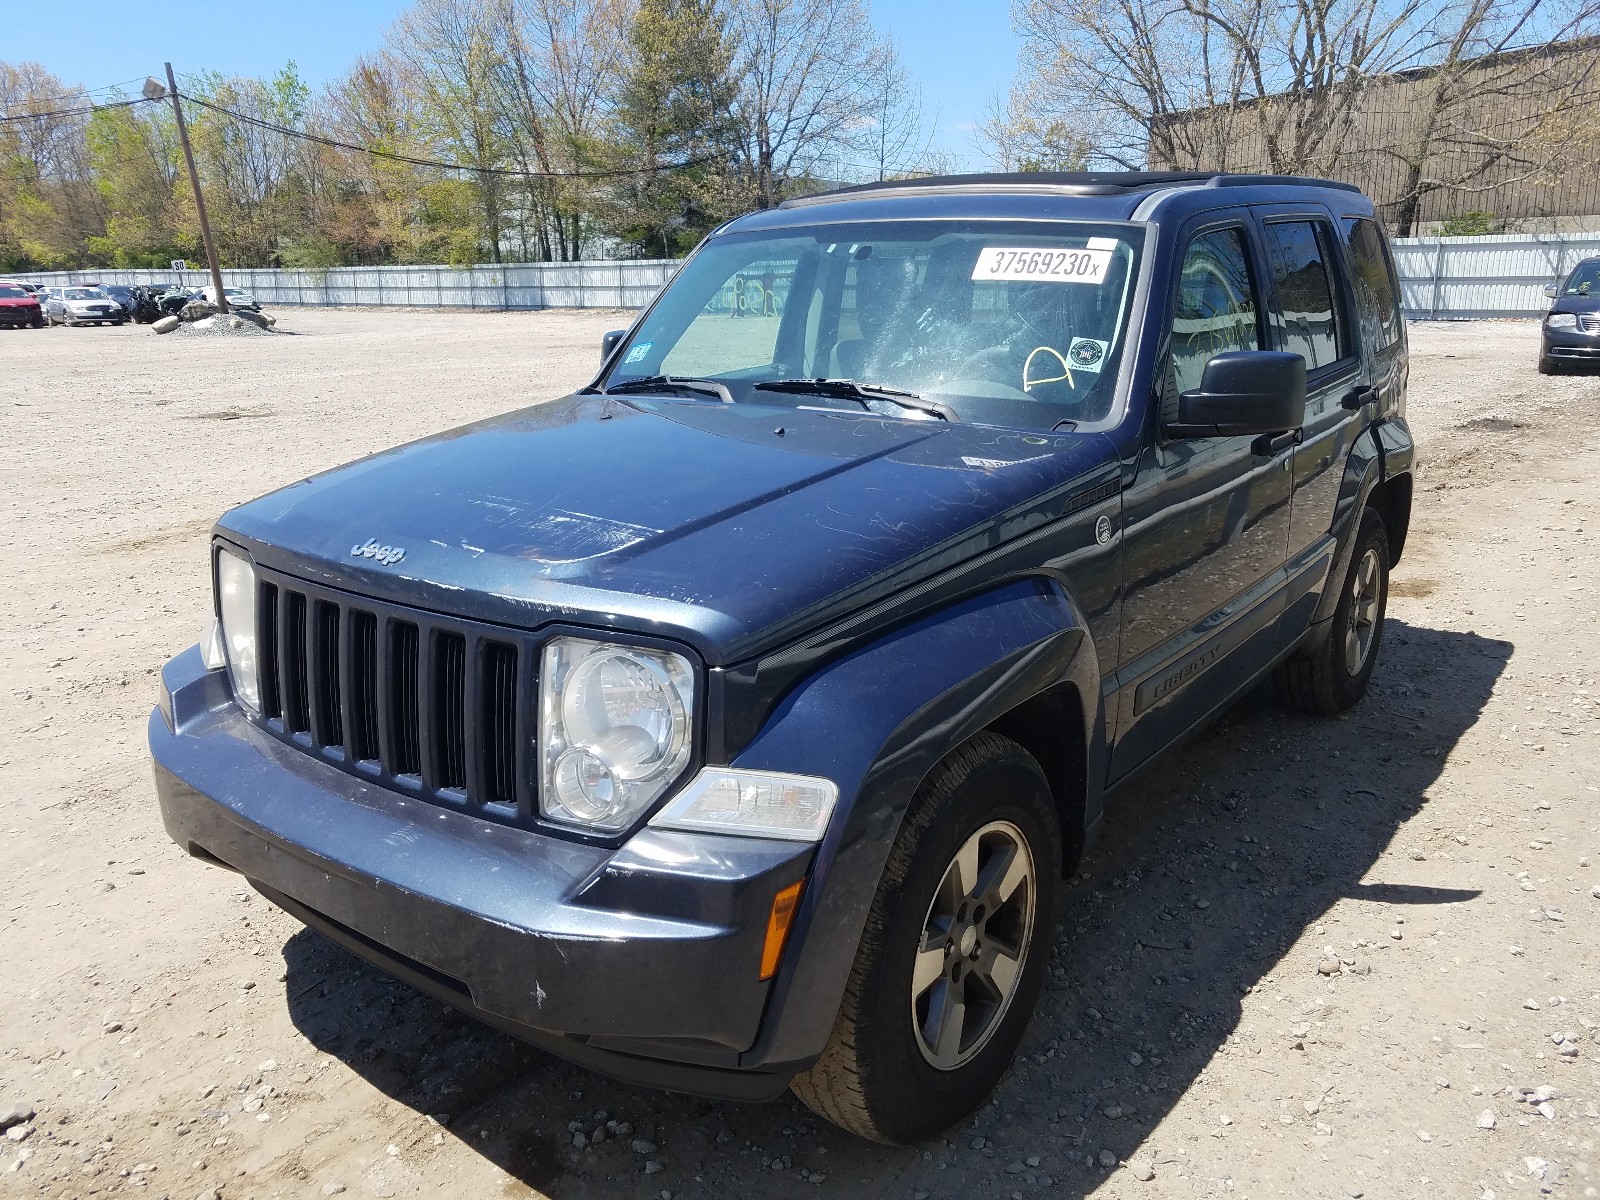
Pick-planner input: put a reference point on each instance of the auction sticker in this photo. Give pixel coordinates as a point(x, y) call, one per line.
point(1087, 354)
point(1037, 264)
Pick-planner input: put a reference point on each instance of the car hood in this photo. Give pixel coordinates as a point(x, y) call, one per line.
point(17, 301)
point(1576, 304)
point(728, 526)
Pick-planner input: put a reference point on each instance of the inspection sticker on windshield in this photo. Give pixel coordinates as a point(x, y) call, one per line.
point(1038, 264)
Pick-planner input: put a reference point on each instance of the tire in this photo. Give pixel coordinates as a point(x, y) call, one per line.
point(1548, 365)
point(1332, 675)
point(987, 803)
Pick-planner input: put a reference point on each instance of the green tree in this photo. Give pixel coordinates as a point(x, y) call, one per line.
point(675, 117)
point(133, 161)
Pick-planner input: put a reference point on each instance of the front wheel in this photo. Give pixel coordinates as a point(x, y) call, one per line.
point(1332, 674)
point(953, 954)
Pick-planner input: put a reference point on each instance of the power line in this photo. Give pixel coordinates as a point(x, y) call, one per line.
point(335, 144)
point(75, 112)
point(80, 93)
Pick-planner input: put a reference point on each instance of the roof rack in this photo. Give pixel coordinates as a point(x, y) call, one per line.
point(1076, 183)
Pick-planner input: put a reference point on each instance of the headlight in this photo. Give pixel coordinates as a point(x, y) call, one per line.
point(615, 724)
point(752, 804)
point(1561, 321)
point(236, 605)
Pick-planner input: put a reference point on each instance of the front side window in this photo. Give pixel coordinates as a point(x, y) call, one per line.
point(1215, 309)
point(1377, 291)
point(1300, 263)
point(1007, 323)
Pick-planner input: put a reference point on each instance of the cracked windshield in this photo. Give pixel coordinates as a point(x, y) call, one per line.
point(1002, 323)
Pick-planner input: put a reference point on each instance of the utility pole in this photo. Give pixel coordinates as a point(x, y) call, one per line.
point(199, 200)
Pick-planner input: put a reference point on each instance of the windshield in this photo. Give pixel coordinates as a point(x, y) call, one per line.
point(85, 294)
point(13, 293)
point(1005, 323)
point(1584, 280)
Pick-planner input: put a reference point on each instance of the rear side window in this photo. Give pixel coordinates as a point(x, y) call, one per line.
point(1300, 262)
point(1377, 292)
point(1215, 309)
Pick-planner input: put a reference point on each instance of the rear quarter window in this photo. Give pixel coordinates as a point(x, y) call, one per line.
point(1377, 292)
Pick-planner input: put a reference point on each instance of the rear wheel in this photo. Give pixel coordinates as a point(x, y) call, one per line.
point(953, 953)
point(1332, 675)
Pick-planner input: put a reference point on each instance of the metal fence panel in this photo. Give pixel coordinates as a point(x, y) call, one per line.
point(1498, 275)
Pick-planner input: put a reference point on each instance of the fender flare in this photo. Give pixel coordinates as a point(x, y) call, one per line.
point(876, 722)
point(1381, 451)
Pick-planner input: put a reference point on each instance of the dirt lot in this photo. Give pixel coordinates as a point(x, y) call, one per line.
point(1439, 849)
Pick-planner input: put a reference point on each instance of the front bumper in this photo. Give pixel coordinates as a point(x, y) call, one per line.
point(640, 961)
point(1571, 344)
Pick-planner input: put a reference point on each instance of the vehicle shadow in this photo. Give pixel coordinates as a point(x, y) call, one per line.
point(1199, 884)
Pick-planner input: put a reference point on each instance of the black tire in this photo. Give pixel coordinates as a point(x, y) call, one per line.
point(1548, 365)
point(874, 1078)
point(1322, 678)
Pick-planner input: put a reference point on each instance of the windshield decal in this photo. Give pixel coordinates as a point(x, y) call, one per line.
point(1087, 354)
point(1042, 264)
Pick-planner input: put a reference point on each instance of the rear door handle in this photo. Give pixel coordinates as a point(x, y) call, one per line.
point(1360, 398)
point(1268, 445)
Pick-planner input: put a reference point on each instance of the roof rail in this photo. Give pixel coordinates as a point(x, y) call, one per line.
point(1079, 183)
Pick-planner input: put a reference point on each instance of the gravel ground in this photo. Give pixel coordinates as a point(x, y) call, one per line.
point(1311, 959)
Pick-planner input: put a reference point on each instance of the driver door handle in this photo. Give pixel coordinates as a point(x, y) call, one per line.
point(1360, 398)
point(1268, 445)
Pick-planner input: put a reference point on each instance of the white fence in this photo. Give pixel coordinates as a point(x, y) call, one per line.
point(625, 284)
point(1501, 275)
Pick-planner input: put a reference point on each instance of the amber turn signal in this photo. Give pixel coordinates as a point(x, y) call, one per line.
point(783, 906)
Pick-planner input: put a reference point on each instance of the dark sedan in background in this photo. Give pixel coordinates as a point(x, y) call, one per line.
point(1571, 332)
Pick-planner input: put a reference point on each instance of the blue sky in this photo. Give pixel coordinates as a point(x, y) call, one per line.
point(961, 52)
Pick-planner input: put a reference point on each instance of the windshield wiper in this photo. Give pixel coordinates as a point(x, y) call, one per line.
point(657, 383)
point(849, 389)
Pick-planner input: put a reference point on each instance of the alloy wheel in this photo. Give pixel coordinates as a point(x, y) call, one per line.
point(1361, 626)
point(975, 939)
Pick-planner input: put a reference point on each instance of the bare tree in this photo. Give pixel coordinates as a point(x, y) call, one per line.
point(1290, 86)
point(894, 135)
point(808, 68)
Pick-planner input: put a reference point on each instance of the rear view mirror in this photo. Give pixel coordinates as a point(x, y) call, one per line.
point(1549, 291)
point(608, 342)
point(1244, 392)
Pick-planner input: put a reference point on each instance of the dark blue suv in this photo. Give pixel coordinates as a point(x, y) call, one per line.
point(730, 724)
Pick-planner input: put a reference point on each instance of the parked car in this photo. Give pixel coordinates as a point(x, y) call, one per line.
point(19, 307)
point(80, 305)
point(236, 298)
point(731, 723)
point(123, 295)
point(1571, 330)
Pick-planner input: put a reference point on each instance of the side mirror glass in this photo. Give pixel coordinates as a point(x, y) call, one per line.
point(1549, 291)
point(608, 342)
point(1244, 392)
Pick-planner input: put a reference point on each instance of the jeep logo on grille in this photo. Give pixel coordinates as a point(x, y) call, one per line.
point(387, 555)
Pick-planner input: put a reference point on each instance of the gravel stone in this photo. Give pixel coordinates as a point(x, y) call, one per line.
point(15, 1114)
point(1107, 1159)
point(1486, 1119)
point(1142, 1169)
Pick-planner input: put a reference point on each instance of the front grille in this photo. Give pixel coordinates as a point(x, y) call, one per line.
point(421, 703)
point(1589, 322)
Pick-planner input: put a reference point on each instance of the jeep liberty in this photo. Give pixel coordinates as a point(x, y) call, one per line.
point(730, 724)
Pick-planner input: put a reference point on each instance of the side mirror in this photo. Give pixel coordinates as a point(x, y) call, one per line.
point(1244, 392)
point(1549, 291)
point(608, 342)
